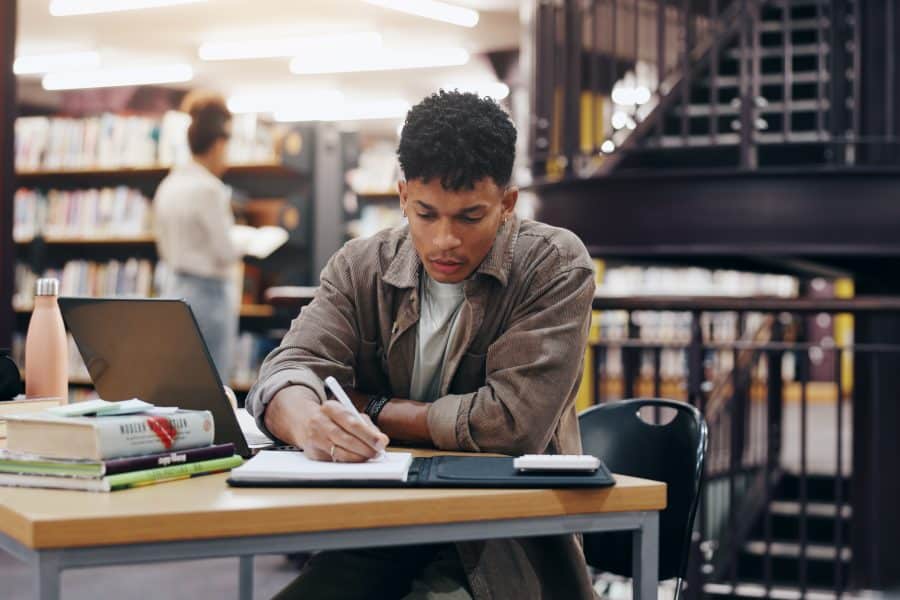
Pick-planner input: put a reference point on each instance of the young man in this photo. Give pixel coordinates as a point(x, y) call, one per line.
point(463, 330)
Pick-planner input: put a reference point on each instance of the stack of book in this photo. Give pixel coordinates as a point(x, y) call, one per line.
point(108, 452)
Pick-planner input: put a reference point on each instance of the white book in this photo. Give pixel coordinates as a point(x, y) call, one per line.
point(258, 242)
point(286, 465)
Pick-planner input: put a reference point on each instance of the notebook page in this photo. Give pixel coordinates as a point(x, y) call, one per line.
point(294, 466)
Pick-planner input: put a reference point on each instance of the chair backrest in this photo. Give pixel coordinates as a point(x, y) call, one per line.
point(672, 452)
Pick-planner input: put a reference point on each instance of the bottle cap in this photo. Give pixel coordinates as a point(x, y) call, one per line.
point(47, 287)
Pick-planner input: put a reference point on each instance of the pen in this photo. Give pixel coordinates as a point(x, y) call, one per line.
point(342, 397)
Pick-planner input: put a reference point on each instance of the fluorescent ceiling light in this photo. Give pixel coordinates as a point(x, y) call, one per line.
point(432, 9)
point(384, 60)
point(44, 63)
point(287, 100)
point(70, 80)
point(65, 8)
point(365, 41)
point(356, 111)
point(492, 89)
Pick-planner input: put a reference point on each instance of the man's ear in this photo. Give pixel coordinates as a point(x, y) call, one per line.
point(510, 196)
point(403, 192)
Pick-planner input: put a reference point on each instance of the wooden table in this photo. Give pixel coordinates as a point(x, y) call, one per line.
point(54, 530)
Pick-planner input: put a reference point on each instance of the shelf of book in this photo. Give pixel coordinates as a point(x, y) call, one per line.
point(272, 169)
point(246, 311)
point(145, 239)
point(382, 196)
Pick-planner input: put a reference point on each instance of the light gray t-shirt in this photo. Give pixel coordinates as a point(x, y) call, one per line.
point(441, 303)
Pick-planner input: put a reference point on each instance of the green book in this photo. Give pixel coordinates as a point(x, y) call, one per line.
point(122, 480)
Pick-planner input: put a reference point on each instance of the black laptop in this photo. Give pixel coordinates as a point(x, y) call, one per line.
point(152, 349)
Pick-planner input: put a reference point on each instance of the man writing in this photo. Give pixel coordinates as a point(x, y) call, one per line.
point(463, 330)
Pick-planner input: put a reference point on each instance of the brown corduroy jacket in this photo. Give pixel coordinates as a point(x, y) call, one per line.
point(513, 369)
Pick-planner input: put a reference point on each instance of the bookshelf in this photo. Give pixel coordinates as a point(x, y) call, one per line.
point(26, 177)
point(61, 240)
point(70, 215)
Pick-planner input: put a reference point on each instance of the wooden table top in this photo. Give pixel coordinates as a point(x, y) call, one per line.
point(206, 507)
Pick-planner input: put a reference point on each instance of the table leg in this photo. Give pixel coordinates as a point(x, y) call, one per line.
point(245, 575)
point(45, 576)
point(645, 558)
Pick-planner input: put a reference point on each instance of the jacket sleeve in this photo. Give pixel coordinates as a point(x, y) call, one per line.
point(532, 371)
point(321, 341)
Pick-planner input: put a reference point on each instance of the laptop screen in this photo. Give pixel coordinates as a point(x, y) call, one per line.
point(151, 349)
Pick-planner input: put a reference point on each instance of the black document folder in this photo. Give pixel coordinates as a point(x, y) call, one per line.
point(458, 472)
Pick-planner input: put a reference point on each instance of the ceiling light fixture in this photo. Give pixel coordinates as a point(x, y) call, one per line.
point(432, 9)
point(356, 111)
point(44, 63)
point(384, 60)
point(365, 41)
point(67, 8)
point(284, 100)
point(71, 80)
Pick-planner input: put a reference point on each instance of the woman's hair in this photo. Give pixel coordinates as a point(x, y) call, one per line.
point(209, 117)
point(459, 139)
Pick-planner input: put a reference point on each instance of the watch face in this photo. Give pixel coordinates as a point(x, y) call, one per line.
point(10, 380)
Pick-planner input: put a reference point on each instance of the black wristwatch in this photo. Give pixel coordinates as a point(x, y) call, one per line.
point(374, 405)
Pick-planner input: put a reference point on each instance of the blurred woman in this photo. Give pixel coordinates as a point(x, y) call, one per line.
point(193, 220)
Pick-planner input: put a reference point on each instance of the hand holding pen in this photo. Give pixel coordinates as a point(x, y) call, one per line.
point(355, 437)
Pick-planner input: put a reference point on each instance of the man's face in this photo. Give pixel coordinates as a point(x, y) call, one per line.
point(454, 230)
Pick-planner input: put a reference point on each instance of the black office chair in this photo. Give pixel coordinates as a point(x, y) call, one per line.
point(672, 452)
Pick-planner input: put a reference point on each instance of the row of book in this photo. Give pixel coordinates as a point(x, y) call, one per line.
point(79, 447)
point(694, 281)
point(131, 277)
point(112, 141)
point(249, 352)
point(91, 213)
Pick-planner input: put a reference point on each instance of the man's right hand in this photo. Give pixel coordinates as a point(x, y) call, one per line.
point(325, 431)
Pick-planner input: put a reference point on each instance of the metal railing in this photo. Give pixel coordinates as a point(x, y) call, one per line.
point(779, 462)
point(776, 82)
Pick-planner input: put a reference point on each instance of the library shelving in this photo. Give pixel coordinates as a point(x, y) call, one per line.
point(70, 222)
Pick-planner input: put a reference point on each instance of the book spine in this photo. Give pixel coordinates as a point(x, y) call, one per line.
point(135, 478)
point(138, 463)
point(119, 437)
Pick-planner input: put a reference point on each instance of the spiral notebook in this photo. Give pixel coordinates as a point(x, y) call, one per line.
point(400, 469)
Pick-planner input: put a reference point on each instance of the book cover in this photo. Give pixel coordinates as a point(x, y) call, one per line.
point(29, 464)
point(123, 480)
point(100, 438)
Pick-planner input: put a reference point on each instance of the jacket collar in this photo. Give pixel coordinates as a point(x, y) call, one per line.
point(403, 270)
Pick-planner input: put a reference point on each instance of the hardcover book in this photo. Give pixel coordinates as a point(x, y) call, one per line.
point(100, 438)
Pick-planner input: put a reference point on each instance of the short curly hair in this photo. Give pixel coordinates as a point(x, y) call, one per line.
point(459, 138)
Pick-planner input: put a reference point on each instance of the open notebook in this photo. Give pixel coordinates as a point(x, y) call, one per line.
point(273, 465)
point(287, 468)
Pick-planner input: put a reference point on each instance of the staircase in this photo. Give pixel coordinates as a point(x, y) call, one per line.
point(790, 539)
point(780, 62)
